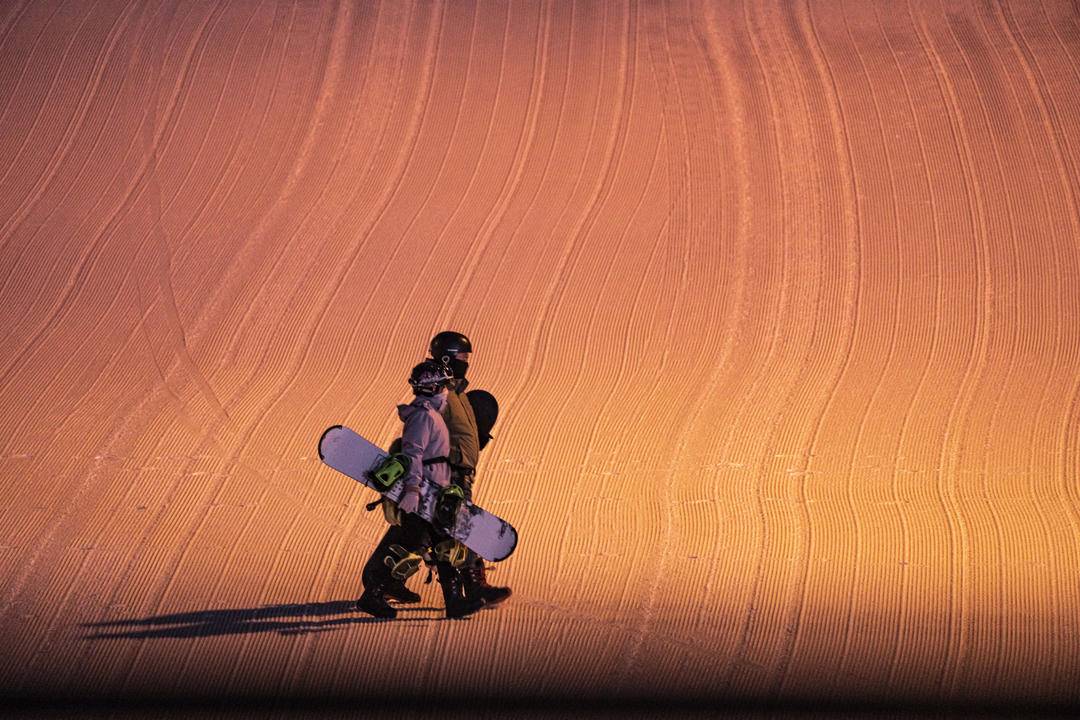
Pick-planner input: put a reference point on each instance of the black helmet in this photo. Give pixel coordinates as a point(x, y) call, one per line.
point(448, 342)
point(429, 377)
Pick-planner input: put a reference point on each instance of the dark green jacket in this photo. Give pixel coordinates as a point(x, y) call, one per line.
point(460, 420)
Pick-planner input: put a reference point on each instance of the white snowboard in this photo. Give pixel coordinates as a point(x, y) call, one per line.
point(489, 536)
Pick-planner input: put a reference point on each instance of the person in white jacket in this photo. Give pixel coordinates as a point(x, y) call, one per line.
point(425, 441)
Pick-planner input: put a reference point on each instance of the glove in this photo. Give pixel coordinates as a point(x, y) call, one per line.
point(463, 476)
point(410, 501)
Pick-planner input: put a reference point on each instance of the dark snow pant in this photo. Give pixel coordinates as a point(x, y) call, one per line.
point(414, 535)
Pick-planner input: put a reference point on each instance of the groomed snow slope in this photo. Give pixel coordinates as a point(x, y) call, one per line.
point(780, 302)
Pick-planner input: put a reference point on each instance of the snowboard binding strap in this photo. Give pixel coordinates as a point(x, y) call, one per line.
point(389, 471)
point(446, 507)
point(404, 565)
point(451, 551)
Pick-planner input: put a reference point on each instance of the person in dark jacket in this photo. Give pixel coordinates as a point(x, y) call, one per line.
point(454, 350)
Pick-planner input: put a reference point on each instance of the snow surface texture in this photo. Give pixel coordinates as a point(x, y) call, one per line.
point(779, 301)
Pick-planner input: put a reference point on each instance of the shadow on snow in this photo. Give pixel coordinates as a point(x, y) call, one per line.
point(292, 619)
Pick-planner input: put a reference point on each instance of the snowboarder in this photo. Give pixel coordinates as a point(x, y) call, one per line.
point(454, 350)
point(425, 441)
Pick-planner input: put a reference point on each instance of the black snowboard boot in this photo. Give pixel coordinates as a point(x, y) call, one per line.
point(373, 603)
point(396, 590)
point(457, 605)
point(474, 577)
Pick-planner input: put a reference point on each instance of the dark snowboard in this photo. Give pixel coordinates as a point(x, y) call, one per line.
point(486, 410)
